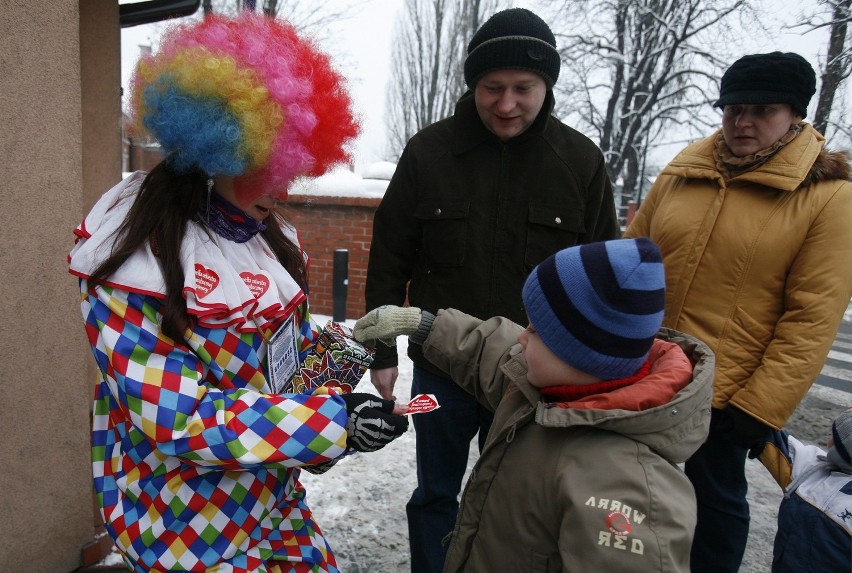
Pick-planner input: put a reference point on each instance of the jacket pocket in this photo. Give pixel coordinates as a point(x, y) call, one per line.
point(744, 346)
point(549, 229)
point(539, 563)
point(444, 227)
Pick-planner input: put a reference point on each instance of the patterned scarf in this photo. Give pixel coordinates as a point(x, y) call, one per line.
point(729, 165)
point(228, 221)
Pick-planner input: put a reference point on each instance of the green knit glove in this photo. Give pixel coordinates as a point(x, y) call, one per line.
point(386, 323)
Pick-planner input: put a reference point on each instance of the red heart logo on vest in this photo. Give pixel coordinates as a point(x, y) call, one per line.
point(206, 280)
point(257, 284)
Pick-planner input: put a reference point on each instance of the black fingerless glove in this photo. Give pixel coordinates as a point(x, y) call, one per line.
point(744, 430)
point(371, 425)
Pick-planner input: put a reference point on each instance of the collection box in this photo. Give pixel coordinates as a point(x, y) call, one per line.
point(337, 360)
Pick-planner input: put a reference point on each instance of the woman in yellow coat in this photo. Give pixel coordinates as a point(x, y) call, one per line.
point(755, 227)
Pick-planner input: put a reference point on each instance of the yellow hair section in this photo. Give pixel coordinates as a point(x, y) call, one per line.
point(202, 74)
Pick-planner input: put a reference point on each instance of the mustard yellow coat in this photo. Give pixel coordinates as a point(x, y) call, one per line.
point(759, 267)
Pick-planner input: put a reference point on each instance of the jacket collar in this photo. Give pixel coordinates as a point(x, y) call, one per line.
point(674, 429)
point(470, 132)
point(802, 162)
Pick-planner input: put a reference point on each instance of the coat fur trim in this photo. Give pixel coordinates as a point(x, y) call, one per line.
point(829, 165)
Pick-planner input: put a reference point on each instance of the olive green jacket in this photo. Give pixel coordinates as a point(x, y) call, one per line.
point(558, 488)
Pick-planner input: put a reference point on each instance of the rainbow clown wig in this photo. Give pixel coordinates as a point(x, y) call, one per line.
point(244, 96)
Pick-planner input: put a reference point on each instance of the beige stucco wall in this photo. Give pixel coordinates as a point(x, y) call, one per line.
point(59, 148)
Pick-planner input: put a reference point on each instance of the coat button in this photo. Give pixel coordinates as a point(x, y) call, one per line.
point(438, 211)
point(558, 220)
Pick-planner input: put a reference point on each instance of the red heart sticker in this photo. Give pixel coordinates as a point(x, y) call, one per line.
point(206, 280)
point(257, 284)
point(422, 403)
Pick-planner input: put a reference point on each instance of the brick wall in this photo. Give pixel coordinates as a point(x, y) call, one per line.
point(327, 223)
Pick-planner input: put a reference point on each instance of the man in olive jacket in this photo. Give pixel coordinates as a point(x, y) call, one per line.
point(476, 202)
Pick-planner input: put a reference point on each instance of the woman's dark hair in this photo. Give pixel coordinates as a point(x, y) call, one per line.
point(166, 201)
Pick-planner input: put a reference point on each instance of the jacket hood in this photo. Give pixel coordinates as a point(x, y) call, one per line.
point(675, 429)
point(801, 163)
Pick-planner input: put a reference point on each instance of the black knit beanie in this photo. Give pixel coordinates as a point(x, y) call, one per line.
point(512, 39)
point(769, 78)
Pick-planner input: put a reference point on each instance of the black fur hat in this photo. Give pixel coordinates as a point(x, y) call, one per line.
point(769, 78)
point(512, 39)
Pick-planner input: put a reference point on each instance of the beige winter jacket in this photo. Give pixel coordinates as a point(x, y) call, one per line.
point(558, 489)
point(759, 267)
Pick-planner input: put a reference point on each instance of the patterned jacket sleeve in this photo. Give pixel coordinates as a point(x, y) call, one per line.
point(160, 389)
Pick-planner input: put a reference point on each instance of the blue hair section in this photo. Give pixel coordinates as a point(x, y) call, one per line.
point(198, 132)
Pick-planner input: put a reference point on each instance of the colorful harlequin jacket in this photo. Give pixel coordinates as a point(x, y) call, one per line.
point(195, 459)
point(587, 485)
point(758, 266)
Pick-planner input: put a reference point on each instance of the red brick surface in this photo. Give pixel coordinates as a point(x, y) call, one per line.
point(328, 223)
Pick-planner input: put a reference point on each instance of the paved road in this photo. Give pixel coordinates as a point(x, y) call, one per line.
point(837, 372)
point(831, 392)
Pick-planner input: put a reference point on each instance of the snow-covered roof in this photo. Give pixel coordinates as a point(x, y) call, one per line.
point(342, 182)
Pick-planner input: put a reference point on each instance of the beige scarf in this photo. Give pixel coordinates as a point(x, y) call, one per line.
point(729, 165)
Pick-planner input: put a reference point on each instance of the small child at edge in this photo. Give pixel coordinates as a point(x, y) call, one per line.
point(815, 517)
point(594, 405)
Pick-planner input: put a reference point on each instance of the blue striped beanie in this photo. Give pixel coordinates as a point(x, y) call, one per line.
point(599, 306)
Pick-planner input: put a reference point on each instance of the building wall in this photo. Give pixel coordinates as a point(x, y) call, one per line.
point(61, 143)
point(326, 224)
point(59, 112)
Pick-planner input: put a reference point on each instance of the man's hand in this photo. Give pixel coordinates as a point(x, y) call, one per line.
point(386, 323)
point(383, 380)
point(372, 424)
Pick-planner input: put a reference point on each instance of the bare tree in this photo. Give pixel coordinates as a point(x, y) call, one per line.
point(430, 40)
point(634, 70)
point(835, 16)
point(314, 18)
point(311, 15)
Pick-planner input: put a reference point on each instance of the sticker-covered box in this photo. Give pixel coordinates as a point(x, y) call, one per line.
point(337, 360)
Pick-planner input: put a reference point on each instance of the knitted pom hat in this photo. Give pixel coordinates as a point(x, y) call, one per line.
point(243, 96)
point(599, 306)
point(841, 431)
point(512, 39)
point(769, 78)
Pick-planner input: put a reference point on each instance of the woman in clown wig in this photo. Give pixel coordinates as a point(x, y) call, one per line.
point(194, 299)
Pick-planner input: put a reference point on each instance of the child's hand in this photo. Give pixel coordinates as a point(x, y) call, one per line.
point(400, 409)
point(386, 323)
